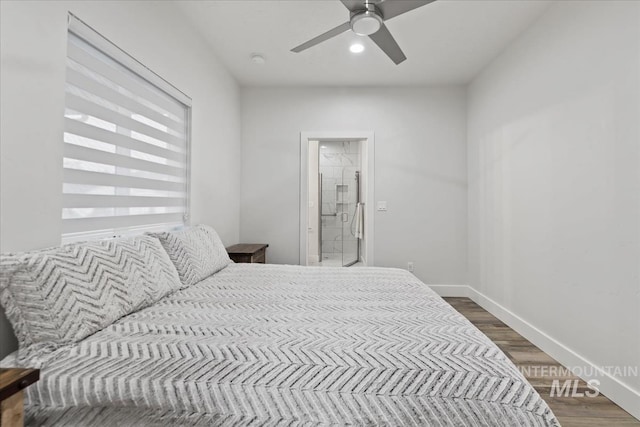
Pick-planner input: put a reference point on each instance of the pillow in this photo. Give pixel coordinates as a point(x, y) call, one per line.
point(197, 252)
point(64, 294)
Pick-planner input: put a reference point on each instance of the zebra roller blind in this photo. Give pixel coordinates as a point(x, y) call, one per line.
point(126, 143)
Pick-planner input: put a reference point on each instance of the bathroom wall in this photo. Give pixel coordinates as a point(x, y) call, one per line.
point(313, 213)
point(364, 190)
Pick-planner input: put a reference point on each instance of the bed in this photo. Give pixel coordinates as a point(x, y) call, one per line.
point(258, 344)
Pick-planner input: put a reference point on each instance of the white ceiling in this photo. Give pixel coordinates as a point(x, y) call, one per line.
point(446, 42)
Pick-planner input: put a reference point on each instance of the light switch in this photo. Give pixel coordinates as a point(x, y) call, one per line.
point(382, 206)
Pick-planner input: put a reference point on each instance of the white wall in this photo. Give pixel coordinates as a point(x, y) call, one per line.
point(33, 53)
point(554, 185)
point(420, 170)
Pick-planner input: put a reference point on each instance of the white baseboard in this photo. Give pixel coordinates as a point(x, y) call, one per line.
point(610, 386)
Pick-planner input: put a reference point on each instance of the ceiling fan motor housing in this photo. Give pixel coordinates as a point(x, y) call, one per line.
point(367, 21)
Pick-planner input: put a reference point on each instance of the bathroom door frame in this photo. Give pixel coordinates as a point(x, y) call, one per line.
point(368, 152)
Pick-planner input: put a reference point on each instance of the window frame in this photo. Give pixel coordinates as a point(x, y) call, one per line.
point(80, 29)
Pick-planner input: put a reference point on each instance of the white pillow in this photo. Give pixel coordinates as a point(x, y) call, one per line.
point(197, 252)
point(63, 294)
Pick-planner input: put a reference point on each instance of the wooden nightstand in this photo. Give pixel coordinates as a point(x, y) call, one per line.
point(12, 382)
point(248, 252)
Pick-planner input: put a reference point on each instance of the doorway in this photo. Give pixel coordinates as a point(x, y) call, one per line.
point(336, 222)
point(337, 201)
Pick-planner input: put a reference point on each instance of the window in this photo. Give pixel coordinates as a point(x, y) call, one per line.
point(126, 143)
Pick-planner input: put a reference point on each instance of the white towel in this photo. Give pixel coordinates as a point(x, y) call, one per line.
point(359, 221)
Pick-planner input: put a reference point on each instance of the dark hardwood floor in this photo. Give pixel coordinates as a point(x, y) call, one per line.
point(571, 411)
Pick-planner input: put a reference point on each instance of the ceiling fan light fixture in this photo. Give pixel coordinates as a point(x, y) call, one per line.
point(366, 23)
point(356, 48)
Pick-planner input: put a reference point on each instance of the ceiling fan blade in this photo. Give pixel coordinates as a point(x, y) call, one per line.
point(387, 43)
point(393, 8)
point(354, 5)
point(322, 37)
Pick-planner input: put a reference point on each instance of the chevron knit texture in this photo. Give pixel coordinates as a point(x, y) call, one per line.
point(197, 252)
point(284, 345)
point(64, 294)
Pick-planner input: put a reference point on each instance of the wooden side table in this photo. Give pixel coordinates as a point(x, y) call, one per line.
point(248, 252)
point(12, 383)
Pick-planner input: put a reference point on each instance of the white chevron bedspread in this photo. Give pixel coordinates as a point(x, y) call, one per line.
point(284, 345)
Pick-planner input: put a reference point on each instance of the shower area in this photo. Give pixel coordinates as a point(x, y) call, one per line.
point(339, 211)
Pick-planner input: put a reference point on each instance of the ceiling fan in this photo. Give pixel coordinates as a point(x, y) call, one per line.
point(366, 18)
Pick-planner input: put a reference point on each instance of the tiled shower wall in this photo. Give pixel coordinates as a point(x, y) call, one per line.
point(338, 162)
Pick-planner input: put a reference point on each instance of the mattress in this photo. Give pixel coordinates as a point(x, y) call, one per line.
point(285, 345)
